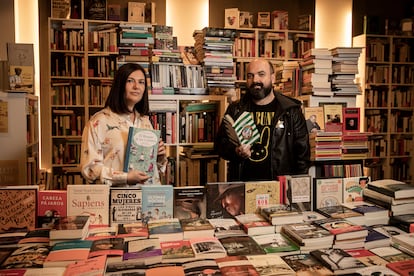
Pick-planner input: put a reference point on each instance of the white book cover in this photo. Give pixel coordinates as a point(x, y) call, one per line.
point(328, 192)
point(352, 189)
point(125, 205)
point(91, 200)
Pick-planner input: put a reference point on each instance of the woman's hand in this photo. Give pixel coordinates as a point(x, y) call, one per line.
point(137, 177)
point(162, 151)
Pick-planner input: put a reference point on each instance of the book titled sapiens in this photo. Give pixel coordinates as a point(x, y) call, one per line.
point(141, 150)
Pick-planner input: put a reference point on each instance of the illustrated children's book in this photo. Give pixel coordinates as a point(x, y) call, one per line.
point(157, 202)
point(141, 150)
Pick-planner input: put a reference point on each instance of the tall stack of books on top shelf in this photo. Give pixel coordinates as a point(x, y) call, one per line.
point(135, 43)
point(344, 69)
point(287, 74)
point(214, 46)
point(316, 68)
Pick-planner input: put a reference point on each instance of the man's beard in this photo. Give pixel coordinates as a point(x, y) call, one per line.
point(259, 93)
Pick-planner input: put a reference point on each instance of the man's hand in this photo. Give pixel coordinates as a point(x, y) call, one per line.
point(243, 151)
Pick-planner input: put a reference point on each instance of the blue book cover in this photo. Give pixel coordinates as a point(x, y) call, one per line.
point(157, 202)
point(141, 150)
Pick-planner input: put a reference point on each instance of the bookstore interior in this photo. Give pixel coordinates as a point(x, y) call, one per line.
point(349, 63)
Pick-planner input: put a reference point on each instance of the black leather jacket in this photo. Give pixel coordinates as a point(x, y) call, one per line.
point(290, 150)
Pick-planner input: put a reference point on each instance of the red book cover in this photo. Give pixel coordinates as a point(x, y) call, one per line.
point(404, 268)
point(351, 119)
point(52, 203)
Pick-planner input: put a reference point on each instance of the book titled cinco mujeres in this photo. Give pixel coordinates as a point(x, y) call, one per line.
point(141, 150)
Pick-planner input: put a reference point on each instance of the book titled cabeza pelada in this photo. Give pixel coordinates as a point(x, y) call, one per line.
point(241, 131)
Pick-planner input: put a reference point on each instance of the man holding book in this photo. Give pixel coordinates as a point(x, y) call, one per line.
point(283, 144)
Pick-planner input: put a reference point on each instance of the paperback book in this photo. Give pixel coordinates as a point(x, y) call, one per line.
point(343, 229)
point(190, 202)
point(337, 260)
point(241, 131)
point(197, 228)
point(276, 243)
point(52, 203)
point(178, 251)
point(268, 265)
point(241, 245)
point(26, 257)
point(262, 193)
point(125, 205)
point(157, 202)
point(67, 252)
point(305, 264)
point(394, 188)
point(70, 227)
point(146, 251)
point(207, 248)
point(327, 192)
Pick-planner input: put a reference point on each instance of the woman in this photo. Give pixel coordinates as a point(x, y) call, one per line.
point(105, 136)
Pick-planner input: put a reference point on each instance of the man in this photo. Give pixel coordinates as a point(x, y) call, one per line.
point(283, 146)
point(312, 124)
point(231, 197)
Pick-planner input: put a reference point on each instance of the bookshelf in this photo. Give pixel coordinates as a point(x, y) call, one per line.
point(19, 162)
point(386, 73)
point(276, 45)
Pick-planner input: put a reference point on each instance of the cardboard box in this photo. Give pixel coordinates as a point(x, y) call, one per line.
point(263, 19)
point(231, 18)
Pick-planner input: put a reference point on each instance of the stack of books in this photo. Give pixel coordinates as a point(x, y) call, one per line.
point(327, 145)
point(355, 145)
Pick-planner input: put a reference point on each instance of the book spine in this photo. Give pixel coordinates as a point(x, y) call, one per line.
point(128, 146)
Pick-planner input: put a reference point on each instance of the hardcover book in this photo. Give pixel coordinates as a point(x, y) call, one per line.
point(337, 260)
point(403, 268)
point(142, 149)
point(89, 200)
point(125, 205)
point(327, 192)
point(157, 202)
point(18, 207)
point(190, 202)
point(262, 193)
point(305, 264)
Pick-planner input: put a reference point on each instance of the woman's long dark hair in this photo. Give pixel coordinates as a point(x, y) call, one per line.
point(116, 98)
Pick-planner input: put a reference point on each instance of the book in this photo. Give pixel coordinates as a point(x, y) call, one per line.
point(136, 12)
point(391, 254)
point(199, 267)
point(373, 214)
point(270, 265)
point(352, 189)
point(142, 149)
point(231, 18)
point(351, 119)
point(235, 265)
point(343, 212)
point(217, 192)
point(226, 227)
point(60, 8)
point(146, 252)
point(241, 131)
point(190, 202)
point(20, 58)
point(327, 192)
point(281, 214)
point(67, 252)
point(101, 232)
point(403, 268)
point(132, 231)
point(35, 237)
point(197, 228)
point(165, 229)
point(241, 245)
point(70, 227)
point(94, 266)
point(404, 222)
point(308, 235)
point(405, 240)
point(178, 251)
point(375, 238)
point(394, 188)
point(109, 247)
point(207, 247)
point(18, 208)
point(305, 264)
point(375, 270)
point(299, 192)
point(125, 205)
point(262, 193)
point(26, 257)
point(315, 119)
point(95, 9)
point(170, 270)
point(343, 229)
point(366, 257)
point(157, 202)
point(276, 243)
point(52, 203)
point(255, 224)
point(337, 260)
point(89, 200)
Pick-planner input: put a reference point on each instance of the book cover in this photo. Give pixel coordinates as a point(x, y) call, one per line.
point(146, 251)
point(157, 202)
point(367, 257)
point(375, 238)
point(18, 207)
point(276, 243)
point(226, 227)
point(21, 66)
point(35, 237)
point(217, 205)
point(27, 257)
point(306, 233)
point(391, 254)
point(393, 188)
point(70, 227)
point(261, 193)
point(97, 233)
point(241, 245)
point(406, 240)
point(170, 270)
point(200, 267)
point(333, 117)
point(327, 192)
point(60, 9)
point(351, 119)
point(136, 12)
point(94, 266)
point(338, 211)
point(197, 228)
point(142, 148)
point(177, 251)
point(114, 12)
point(107, 247)
point(95, 9)
point(299, 192)
point(268, 265)
point(342, 228)
point(403, 268)
point(255, 224)
point(376, 270)
point(190, 202)
point(337, 260)
point(243, 129)
point(130, 231)
point(207, 247)
point(353, 189)
point(52, 203)
point(125, 205)
point(89, 200)
point(280, 214)
point(63, 253)
point(165, 229)
point(305, 264)
point(236, 265)
point(315, 119)
point(231, 18)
